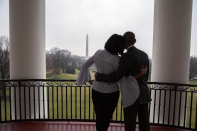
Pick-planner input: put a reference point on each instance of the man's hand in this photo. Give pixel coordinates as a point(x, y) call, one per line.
point(95, 75)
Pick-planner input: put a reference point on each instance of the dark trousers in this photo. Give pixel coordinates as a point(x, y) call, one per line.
point(130, 114)
point(104, 106)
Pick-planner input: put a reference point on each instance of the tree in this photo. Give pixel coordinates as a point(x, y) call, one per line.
point(55, 58)
point(49, 64)
point(66, 56)
point(4, 61)
point(78, 60)
point(73, 63)
point(70, 70)
point(4, 57)
point(150, 69)
point(193, 67)
point(58, 59)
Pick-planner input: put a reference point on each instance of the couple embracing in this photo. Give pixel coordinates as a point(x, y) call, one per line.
point(128, 73)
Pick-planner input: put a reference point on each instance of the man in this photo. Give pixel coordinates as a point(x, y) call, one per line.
point(130, 64)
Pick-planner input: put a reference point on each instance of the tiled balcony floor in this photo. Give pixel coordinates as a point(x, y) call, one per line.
point(69, 126)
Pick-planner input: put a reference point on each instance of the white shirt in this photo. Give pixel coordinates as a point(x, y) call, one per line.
point(130, 47)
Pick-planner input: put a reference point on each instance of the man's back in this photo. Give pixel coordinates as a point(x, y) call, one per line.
point(136, 58)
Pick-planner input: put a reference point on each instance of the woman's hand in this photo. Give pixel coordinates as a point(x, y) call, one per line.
point(91, 83)
point(143, 70)
point(95, 74)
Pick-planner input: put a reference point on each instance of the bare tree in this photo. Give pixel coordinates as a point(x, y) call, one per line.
point(65, 58)
point(49, 65)
point(55, 57)
point(78, 60)
point(193, 67)
point(150, 69)
point(4, 57)
point(58, 59)
point(74, 64)
point(4, 61)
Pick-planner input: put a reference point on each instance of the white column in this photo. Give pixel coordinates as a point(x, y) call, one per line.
point(27, 47)
point(171, 52)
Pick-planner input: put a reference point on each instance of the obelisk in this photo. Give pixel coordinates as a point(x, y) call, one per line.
point(87, 46)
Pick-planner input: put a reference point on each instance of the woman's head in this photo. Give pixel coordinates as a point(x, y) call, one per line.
point(115, 44)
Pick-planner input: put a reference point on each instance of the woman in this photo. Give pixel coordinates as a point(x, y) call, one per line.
point(105, 95)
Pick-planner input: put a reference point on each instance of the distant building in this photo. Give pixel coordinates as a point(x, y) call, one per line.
point(195, 78)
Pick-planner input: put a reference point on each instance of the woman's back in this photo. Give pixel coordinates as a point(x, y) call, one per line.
point(106, 63)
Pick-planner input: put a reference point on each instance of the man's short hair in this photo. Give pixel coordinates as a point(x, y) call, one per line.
point(129, 37)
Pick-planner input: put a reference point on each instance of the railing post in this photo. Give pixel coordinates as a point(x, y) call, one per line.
point(174, 104)
point(10, 94)
point(5, 103)
point(20, 99)
point(196, 115)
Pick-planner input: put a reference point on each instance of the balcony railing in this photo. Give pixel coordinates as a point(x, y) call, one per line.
point(173, 105)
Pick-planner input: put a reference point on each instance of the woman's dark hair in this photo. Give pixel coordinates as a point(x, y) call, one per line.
point(115, 44)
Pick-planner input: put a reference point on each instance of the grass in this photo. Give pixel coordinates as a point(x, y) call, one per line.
point(84, 107)
point(191, 110)
point(7, 92)
point(194, 108)
point(193, 82)
point(67, 76)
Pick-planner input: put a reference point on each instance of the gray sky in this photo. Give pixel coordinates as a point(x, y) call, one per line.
point(68, 22)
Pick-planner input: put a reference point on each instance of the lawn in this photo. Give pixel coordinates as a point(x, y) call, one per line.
point(67, 76)
point(193, 82)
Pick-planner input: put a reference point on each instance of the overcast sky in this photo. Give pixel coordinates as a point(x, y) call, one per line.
point(69, 21)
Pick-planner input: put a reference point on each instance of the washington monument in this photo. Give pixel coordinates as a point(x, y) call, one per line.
point(87, 46)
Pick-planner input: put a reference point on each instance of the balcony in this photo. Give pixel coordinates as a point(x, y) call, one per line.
point(61, 104)
point(40, 104)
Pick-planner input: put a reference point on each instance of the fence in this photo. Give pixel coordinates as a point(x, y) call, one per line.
point(173, 105)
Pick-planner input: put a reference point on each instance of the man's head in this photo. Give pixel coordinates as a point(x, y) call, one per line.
point(129, 38)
